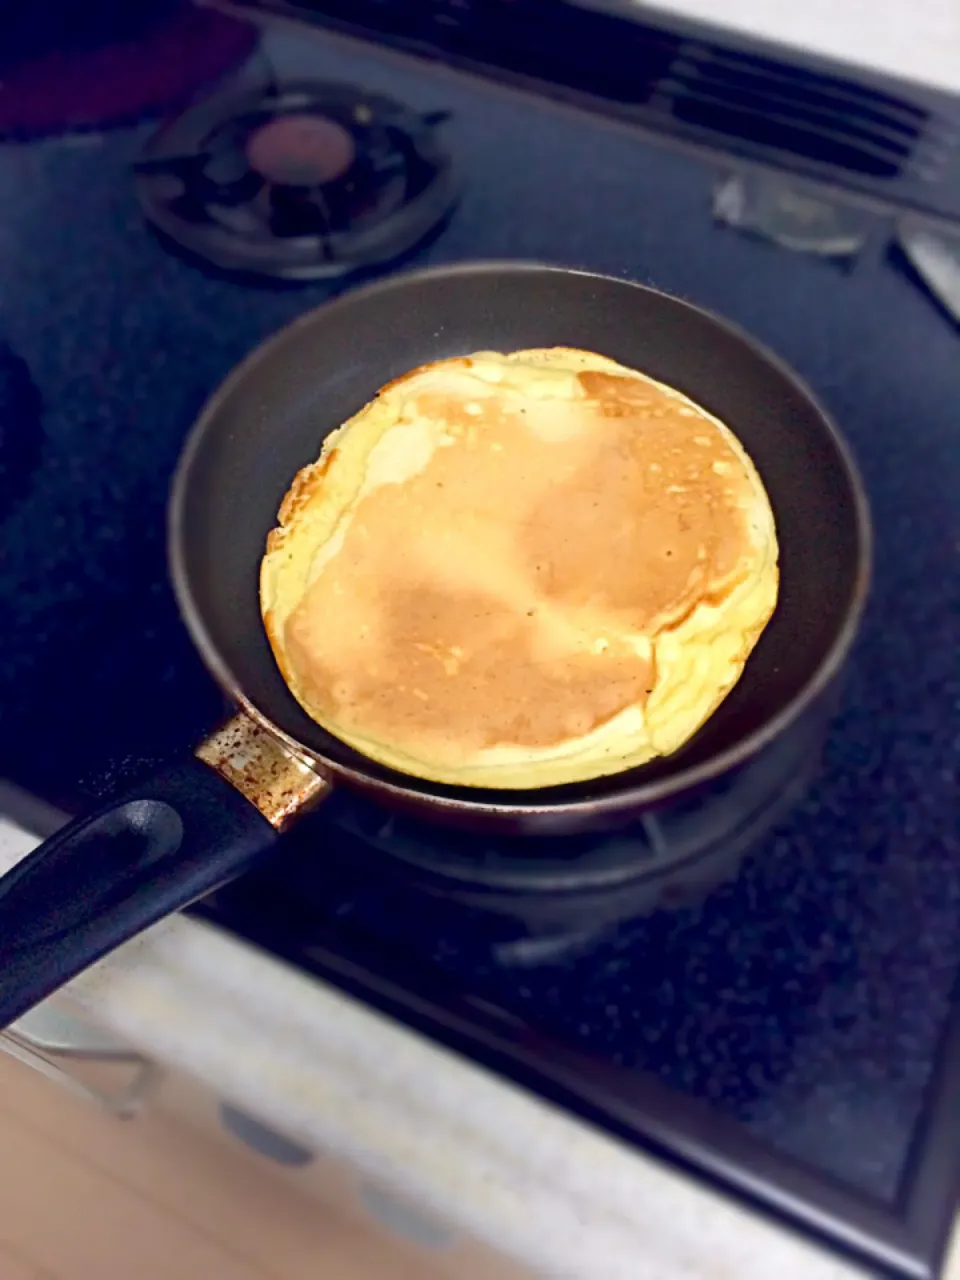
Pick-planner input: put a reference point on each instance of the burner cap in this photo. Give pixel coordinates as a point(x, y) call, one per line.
point(304, 181)
point(300, 150)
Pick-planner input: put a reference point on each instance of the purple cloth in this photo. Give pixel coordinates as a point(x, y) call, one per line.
point(96, 74)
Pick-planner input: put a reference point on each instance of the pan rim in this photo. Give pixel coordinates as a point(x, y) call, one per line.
point(633, 794)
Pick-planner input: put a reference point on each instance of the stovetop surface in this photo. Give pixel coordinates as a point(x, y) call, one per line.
point(806, 998)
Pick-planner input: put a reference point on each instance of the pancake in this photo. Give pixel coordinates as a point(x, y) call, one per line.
point(520, 570)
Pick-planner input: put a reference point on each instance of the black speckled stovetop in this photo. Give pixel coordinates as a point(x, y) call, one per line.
point(806, 997)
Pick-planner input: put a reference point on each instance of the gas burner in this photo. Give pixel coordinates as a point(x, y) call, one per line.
point(570, 889)
point(299, 182)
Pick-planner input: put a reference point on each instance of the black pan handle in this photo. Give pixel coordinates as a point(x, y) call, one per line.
point(105, 877)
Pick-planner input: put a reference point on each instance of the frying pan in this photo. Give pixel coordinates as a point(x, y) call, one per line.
point(189, 830)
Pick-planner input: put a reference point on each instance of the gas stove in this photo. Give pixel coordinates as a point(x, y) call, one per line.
point(780, 1018)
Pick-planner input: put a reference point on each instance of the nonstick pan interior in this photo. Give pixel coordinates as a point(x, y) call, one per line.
point(271, 415)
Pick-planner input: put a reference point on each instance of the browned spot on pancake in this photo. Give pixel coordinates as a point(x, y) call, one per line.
point(326, 462)
point(304, 487)
point(643, 523)
point(460, 667)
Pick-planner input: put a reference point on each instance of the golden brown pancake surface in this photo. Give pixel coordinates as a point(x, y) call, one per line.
point(520, 570)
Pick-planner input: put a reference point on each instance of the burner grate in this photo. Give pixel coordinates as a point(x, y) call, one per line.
point(302, 181)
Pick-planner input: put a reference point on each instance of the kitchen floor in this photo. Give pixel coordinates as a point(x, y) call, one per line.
point(170, 1195)
point(163, 1196)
